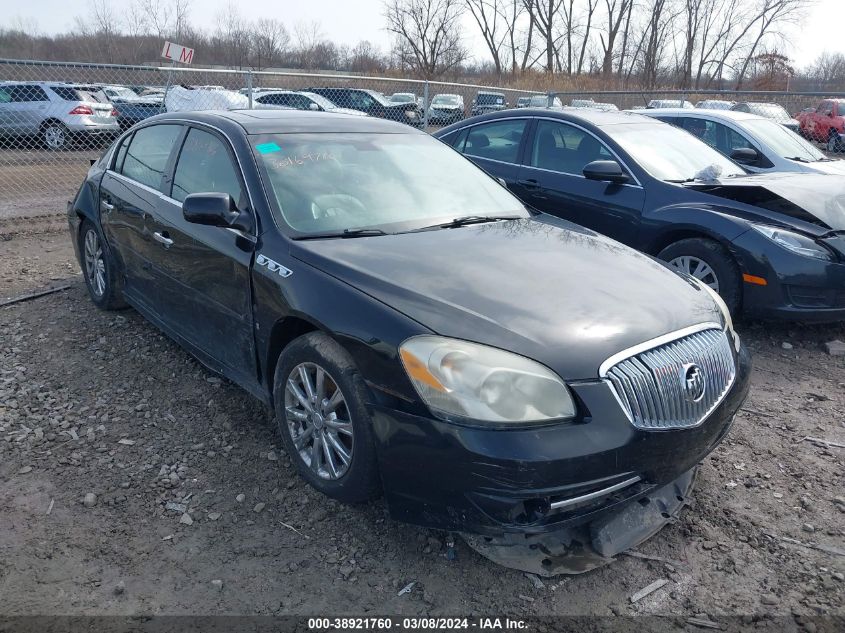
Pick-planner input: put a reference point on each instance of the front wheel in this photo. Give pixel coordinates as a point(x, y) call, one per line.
point(320, 409)
point(709, 262)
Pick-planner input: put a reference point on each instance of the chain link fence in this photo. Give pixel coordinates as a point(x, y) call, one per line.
point(56, 116)
point(782, 107)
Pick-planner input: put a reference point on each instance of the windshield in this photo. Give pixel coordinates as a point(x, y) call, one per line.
point(402, 97)
point(770, 111)
point(669, 153)
point(541, 101)
point(328, 183)
point(783, 142)
point(446, 100)
point(321, 101)
point(119, 92)
point(489, 99)
point(378, 97)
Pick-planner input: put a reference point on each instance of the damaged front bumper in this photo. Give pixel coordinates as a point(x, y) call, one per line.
point(530, 482)
point(584, 547)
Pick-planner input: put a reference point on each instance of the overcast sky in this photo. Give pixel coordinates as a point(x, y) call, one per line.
point(348, 21)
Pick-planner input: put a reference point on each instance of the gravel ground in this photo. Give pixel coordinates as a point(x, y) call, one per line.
point(133, 481)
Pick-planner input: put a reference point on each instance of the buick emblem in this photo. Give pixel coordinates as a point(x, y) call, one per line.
point(693, 383)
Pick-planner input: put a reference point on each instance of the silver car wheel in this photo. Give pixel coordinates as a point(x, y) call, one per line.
point(95, 265)
point(697, 268)
point(318, 421)
point(54, 136)
point(833, 144)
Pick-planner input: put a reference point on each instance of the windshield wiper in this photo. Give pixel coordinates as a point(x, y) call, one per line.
point(679, 181)
point(465, 220)
point(797, 159)
point(345, 233)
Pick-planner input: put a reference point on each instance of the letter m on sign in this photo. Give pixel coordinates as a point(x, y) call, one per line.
point(186, 55)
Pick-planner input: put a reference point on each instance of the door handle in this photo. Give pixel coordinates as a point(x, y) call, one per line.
point(529, 184)
point(106, 205)
point(162, 239)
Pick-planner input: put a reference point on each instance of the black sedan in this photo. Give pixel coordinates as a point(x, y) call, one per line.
point(771, 245)
point(373, 103)
point(416, 330)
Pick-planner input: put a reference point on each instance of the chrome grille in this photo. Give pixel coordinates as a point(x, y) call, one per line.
point(658, 387)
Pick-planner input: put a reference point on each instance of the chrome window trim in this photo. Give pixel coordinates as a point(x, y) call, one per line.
point(176, 203)
point(565, 503)
point(583, 129)
point(655, 342)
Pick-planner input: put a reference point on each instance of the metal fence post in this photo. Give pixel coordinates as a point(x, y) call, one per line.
point(425, 104)
point(167, 88)
point(550, 99)
point(249, 87)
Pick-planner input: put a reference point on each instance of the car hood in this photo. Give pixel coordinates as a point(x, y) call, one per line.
point(814, 198)
point(835, 167)
point(347, 111)
point(542, 288)
point(446, 106)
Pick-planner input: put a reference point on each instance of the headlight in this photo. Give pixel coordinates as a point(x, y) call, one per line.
point(794, 242)
point(483, 384)
point(411, 114)
point(726, 314)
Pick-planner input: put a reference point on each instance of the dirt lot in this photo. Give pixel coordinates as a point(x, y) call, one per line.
point(95, 403)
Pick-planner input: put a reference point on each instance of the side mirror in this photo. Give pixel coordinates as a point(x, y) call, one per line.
point(215, 209)
point(745, 155)
point(313, 106)
point(605, 171)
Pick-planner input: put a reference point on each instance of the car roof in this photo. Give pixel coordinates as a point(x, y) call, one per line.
point(290, 121)
point(730, 115)
point(598, 118)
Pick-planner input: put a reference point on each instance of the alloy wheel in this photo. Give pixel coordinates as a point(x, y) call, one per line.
point(832, 144)
point(55, 137)
point(318, 421)
point(95, 265)
point(697, 268)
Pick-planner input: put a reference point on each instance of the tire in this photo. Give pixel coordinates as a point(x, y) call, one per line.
point(99, 269)
point(352, 481)
point(833, 143)
point(722, 266)
point(54, 135)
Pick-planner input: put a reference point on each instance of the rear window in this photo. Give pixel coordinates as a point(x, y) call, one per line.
point(67, 94)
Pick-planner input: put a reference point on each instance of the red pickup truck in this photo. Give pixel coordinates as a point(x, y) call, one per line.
point(825, 124)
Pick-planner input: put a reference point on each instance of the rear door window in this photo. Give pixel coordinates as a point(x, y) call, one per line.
point(205, 166)
point(24, 94)
point(147, 154)
point(499, 140)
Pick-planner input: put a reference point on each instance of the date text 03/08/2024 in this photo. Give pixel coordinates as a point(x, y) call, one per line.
point(416, 623)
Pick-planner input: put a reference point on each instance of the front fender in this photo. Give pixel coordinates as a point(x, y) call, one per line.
point(668, 224)
point(368, 329)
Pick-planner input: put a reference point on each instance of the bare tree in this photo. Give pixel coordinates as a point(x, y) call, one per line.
point(270, 40)
point(167, 18)
point(489, 16)
point(428, 34)
point(545, 15)
point(770, 14)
